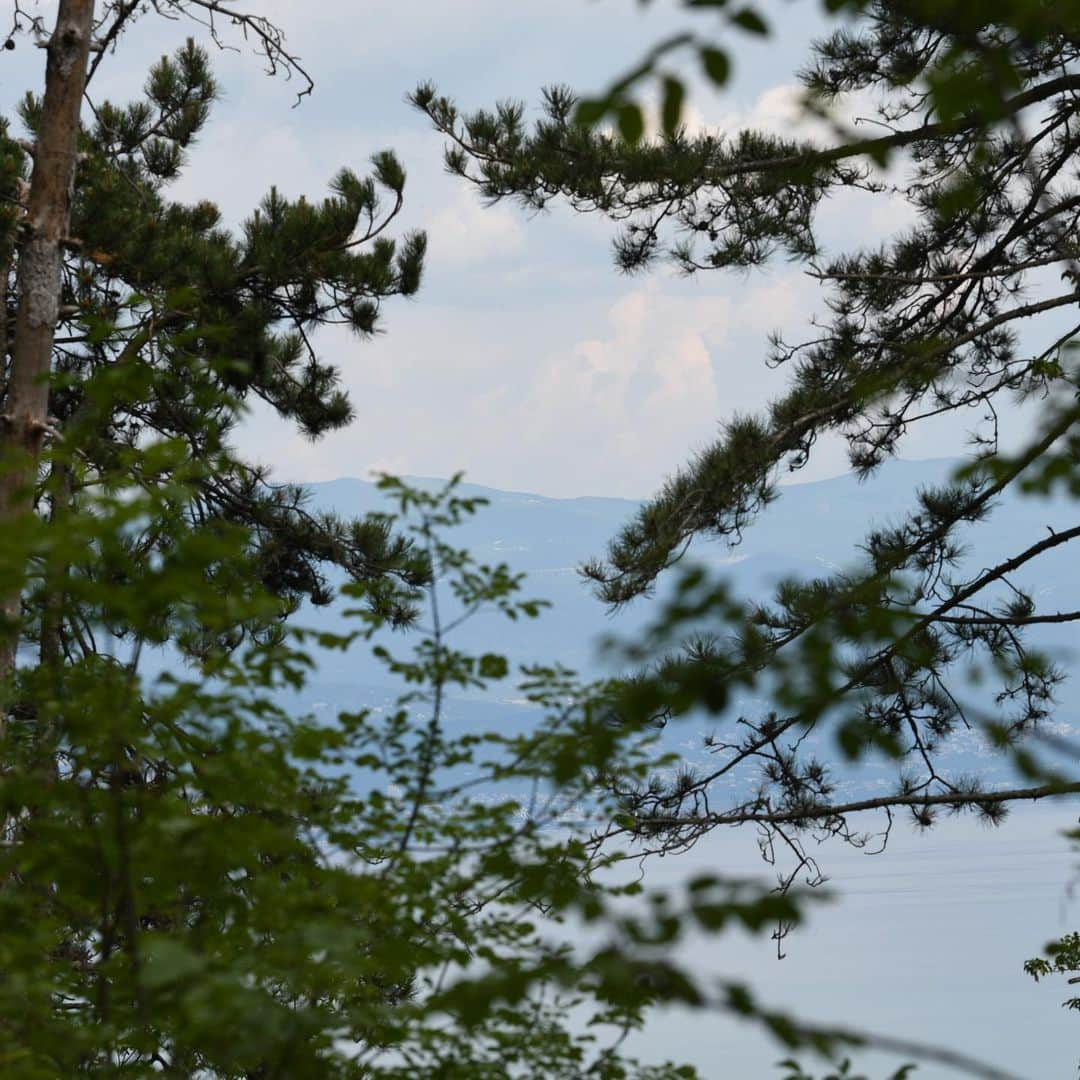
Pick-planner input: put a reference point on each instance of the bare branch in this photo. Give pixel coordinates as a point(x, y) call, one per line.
point(807, 814)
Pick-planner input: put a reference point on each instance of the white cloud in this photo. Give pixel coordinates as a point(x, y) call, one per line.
point(564, 396)
point(649, 382)
point(466, 232)
point(524, 359)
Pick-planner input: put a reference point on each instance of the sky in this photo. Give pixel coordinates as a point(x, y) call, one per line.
point(526, 359)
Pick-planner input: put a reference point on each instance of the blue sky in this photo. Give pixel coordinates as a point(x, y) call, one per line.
point(526, 359)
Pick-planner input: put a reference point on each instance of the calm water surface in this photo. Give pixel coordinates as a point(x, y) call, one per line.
point(926, 941)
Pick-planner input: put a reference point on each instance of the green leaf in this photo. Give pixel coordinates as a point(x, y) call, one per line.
point(590, 111)
point(671, 111)
point(750, 21)
point(169, 961)
point(631, 123)
point(716, 65)
point(492, 666)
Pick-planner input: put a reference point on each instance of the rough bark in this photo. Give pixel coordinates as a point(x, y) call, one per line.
point(24, 421)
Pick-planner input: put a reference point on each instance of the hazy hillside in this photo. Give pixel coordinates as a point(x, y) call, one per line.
point(812, 529)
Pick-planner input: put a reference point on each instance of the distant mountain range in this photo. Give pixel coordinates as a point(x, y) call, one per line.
point(811, 530)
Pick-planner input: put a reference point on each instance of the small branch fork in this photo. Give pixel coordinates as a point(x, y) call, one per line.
point(268, 38)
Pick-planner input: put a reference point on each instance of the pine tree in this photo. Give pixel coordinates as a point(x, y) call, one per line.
point(166, 322)
point(981, 122)
point(191, 883)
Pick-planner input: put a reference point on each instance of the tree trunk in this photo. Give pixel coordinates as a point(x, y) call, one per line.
point(24, 422)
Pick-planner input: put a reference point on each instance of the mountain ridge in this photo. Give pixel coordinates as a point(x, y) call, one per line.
point(475, 488)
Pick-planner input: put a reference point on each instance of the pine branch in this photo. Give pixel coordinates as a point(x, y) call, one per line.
point(819, 812)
